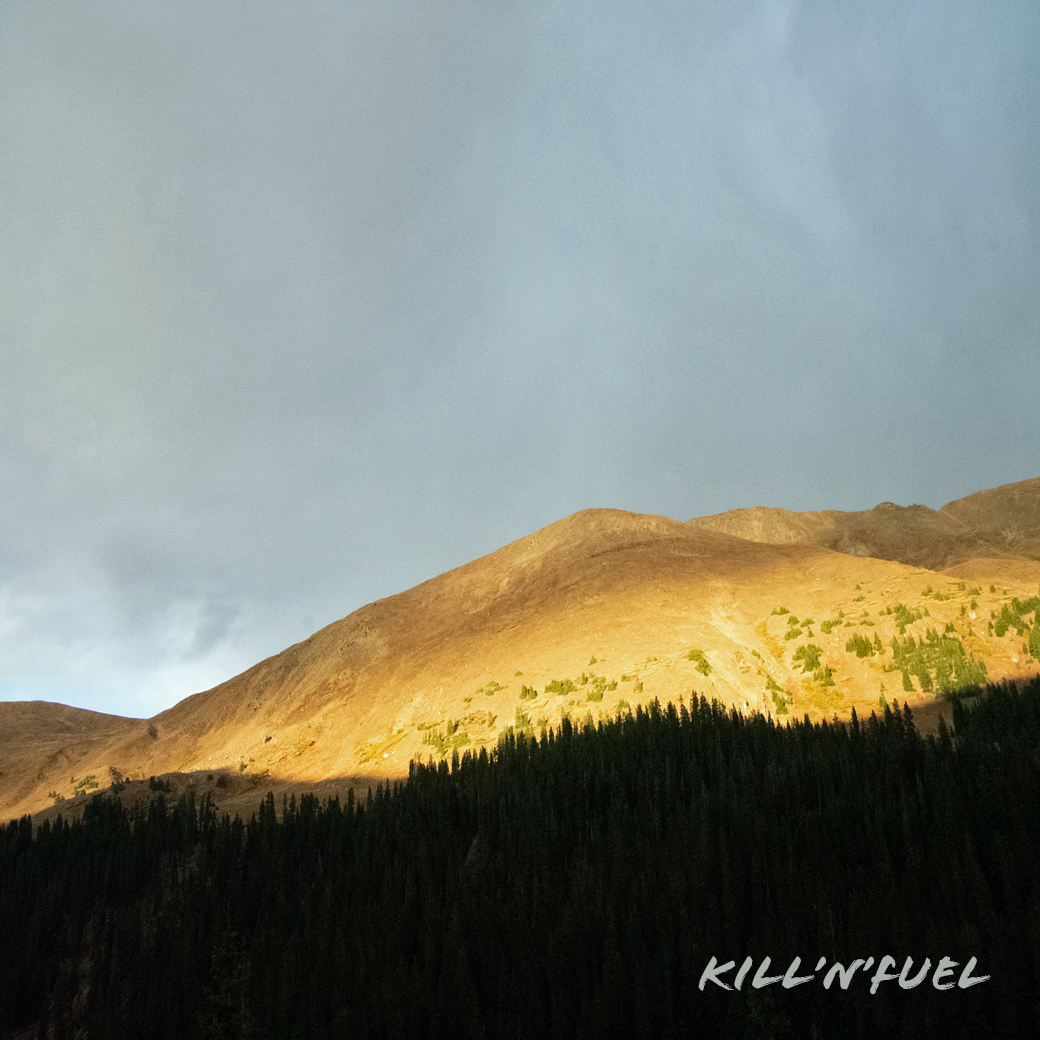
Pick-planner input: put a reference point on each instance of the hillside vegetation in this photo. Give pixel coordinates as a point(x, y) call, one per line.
point(598, 612)
point(577, 884)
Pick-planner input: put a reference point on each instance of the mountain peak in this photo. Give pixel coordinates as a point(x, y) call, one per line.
point(768, 610)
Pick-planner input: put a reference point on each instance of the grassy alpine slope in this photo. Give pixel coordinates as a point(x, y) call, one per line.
point(598, 611)
point(577, 884)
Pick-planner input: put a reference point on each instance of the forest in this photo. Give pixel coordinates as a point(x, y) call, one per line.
point(574, 884)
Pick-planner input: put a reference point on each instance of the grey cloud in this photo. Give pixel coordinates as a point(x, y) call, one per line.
point(301, 307)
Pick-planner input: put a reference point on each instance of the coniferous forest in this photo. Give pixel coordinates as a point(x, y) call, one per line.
point(576, 885)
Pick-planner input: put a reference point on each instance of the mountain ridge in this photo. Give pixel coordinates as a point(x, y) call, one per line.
point(1000, 522)
point(620, 606)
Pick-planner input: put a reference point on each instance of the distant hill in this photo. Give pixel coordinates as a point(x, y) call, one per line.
point(767, 610)
point(1002, 523)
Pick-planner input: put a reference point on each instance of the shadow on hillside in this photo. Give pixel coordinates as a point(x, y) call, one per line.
point(927, 715)
point(238, 794)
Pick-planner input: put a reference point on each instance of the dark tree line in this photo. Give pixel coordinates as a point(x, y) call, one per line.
point(572, 886)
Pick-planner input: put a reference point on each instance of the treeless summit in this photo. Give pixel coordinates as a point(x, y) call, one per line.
point(789, 614)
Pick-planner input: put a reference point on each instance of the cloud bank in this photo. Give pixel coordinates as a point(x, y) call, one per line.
point(303, 306)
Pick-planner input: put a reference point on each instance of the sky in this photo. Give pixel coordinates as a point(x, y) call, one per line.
point(304, 304)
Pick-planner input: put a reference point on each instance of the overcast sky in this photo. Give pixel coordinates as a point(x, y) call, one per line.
point(303, 304)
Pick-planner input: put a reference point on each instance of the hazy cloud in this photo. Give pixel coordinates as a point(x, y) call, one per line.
point(301, 306)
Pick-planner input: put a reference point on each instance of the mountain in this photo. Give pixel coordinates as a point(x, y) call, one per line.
point(767, 610)
point(1002, 523)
